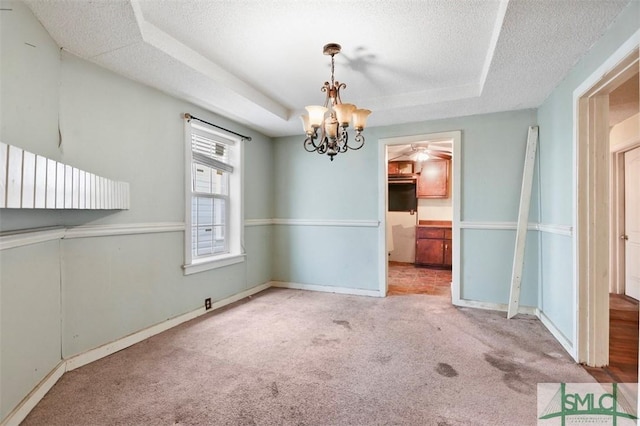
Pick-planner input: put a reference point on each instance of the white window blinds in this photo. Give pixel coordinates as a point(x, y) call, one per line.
point(210, 149)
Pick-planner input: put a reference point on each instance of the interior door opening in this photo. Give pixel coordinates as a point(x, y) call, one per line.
point(607, 318)
point(419, 218)
point(624, 288)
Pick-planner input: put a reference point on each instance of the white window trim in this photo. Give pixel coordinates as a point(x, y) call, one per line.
point(212, 262)
point(236, 205)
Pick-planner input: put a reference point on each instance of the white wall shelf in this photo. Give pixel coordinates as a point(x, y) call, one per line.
point(31, 181)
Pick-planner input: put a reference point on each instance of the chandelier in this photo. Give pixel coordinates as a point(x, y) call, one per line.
point(333, 137)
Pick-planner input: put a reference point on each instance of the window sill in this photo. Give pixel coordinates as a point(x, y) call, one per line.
point(202, 265)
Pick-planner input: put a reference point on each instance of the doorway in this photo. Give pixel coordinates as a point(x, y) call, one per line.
point(398, 238)
point(419, 206)
point(624, 288)
point(598, 205)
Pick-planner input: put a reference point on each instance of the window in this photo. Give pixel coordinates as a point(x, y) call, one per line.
point(214, 209)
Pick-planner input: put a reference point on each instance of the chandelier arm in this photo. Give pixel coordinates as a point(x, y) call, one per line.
point(337, 86)
point(344, 139)
point(358, 139)
point(323, 146)
point(309, 143)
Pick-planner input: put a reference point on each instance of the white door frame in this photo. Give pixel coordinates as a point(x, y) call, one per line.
point(591, 239)
point(383, 196)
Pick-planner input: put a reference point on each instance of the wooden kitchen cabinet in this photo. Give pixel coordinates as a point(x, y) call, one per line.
point(433, 181)
point(433, 247)
point(400, 168)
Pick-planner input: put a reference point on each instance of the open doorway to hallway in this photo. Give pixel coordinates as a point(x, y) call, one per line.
point(608, 216)
point(624, 288)
point(419, 217)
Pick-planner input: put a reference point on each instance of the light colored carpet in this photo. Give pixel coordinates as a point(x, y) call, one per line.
point(291, 357)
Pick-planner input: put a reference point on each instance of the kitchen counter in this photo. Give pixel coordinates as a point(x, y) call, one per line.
point(434, 224)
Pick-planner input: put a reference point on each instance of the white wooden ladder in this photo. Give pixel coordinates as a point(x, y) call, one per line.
point(523, 222)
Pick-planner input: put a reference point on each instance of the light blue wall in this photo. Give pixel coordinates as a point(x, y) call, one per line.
point(328, 256)
point(63, 297)
point(29, 319)
point(310, 187)
point(555, 117)
point(487, 259)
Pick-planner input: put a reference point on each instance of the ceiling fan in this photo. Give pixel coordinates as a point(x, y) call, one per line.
point(424, 151)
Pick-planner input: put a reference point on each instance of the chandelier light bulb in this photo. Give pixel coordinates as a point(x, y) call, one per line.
point(422, 156)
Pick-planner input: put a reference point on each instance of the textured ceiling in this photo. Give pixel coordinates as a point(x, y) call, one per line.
point(260, 61)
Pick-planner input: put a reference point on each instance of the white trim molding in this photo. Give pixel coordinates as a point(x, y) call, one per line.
point(314, 222)
point(326, 289)
point(213, 263)
point(327, 222)
point(566, 344)
point(137, 337)
point(501, 307)
point(500, 226)
point(31, 236)
point(12, 239)
point(18, 414)
point(565, 230)
point(258, 222)
point(122, 229)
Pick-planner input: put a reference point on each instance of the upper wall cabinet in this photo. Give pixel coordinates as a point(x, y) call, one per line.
point(400, 168)
point(433, 181)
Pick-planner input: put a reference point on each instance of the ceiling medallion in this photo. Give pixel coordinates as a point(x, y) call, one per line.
point(333, 137)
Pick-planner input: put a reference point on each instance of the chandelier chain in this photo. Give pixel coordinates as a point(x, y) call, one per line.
point(332, 69)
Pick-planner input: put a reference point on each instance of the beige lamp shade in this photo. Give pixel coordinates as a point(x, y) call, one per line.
point(316, 115)
point(360, 118)
point(305, 123)
point(344, 112)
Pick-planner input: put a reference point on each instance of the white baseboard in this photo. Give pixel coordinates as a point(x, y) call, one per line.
point(130, 340)
point(529, 310)
point(23, 409)
point(502, 307)
point(31, 400)
point(326, 288)
point(115, 346)
point(566, 344)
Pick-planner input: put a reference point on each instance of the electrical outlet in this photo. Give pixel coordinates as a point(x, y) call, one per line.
point(207, 303)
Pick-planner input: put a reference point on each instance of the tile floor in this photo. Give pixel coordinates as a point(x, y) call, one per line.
point(405, 278)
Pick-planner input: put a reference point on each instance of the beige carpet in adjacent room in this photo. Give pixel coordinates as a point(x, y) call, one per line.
point(291, 357)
